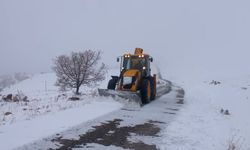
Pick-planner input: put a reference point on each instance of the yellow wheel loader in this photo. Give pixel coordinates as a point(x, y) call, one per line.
point(135, 81)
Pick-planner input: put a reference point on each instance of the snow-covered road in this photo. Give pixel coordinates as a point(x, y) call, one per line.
point(24, 132)
point(130, 127)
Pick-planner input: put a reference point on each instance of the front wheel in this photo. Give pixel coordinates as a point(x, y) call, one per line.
point(152, 88)
point(145, 91)
point(112, 84)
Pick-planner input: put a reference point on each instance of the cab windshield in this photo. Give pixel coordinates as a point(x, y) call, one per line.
point(134, 62)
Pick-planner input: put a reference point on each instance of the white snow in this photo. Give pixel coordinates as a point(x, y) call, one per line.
point(201, 125)
point(198, 125)
point(48, 111)
point(25, 132)
point(44, 97)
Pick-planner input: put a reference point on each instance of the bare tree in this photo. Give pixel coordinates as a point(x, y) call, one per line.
point(80, 68)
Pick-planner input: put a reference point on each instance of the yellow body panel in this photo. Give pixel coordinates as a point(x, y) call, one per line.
point(138, 51)
point(132, 73)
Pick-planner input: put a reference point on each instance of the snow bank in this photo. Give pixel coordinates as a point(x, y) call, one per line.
point(202, 123)
point(24, 132)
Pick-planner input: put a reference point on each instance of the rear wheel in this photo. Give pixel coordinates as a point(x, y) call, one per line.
point(145, 91)
point(112, 84)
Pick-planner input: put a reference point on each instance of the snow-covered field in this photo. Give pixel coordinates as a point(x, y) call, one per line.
point(24, 132)
point(47, 110)
point(203, 124)
point(43, 97)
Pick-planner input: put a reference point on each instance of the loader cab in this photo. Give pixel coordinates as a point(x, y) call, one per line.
point(139, 62)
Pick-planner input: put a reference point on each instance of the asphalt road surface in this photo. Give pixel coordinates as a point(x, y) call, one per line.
point(136, 128)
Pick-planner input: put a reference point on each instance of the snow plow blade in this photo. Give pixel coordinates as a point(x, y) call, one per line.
point(163, 87)
point(130, 96)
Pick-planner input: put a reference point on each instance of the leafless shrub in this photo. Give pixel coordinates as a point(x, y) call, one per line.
point(7, 113)
point(235, 143)
point(225, 111)
point(15, 98)
point(215, 82)
point(74, 98)
point(80, 68)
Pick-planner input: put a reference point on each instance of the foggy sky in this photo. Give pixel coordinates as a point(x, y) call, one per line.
point(183, 36)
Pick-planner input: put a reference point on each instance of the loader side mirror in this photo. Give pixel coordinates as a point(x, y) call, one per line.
point(118, 59)
point(151, 59)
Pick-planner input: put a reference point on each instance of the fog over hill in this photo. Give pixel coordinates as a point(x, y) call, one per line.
point(187, 38)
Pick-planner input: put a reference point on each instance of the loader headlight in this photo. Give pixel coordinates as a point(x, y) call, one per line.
point(127, 56)
point(144, 68)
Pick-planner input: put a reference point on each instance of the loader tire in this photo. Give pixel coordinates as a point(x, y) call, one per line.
point(145, 87)
point(112, 84)
point(152, 89)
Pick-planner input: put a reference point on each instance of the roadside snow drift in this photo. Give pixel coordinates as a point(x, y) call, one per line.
point(25, 132)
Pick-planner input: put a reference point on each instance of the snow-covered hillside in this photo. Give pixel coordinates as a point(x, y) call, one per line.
point(43, 97)
point(47, 110)
point(204, 123)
